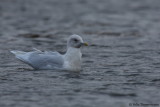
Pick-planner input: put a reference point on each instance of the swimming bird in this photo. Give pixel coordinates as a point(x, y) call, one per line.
point(46, 60)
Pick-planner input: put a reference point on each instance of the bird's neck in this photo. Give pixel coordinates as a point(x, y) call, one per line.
point(73, 58)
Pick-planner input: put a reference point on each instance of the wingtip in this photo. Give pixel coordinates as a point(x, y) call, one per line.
point(13, 52)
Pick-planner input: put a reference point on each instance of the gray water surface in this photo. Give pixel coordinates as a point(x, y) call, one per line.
point(120, 67)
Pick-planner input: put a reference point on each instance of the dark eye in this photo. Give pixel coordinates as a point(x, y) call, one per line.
point(75, 40)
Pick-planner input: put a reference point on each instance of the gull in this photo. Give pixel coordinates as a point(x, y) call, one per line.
point(48, 60)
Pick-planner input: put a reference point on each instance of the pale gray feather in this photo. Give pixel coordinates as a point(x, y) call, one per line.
point(71, 60)
point(41, 60)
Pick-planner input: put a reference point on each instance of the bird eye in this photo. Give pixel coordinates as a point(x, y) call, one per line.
point(75, 40)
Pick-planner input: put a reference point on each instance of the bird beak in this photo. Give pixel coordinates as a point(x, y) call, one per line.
point(84, 44)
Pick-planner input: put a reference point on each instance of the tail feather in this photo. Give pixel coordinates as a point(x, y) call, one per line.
point(20, 55)
point(15, 52)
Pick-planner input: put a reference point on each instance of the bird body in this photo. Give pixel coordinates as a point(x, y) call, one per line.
point(71, 60)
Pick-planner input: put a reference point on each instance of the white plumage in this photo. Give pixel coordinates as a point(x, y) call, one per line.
point(71, 60)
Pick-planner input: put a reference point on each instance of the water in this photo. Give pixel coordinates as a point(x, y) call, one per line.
point(120, 67)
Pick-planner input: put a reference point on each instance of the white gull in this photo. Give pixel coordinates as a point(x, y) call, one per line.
point(71, 60)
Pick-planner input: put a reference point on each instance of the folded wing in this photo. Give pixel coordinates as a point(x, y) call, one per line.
point(41, 60)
